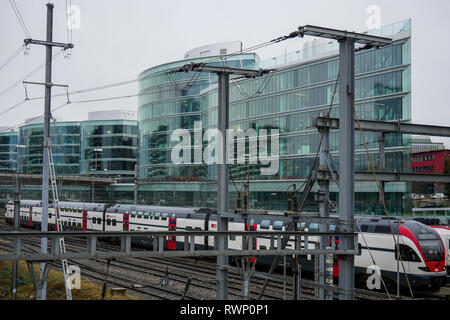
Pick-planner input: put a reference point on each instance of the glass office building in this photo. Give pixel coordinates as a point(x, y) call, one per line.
point(104, 146)
point(8, 151)
point(109, 147)
point(288, 100)
point(65, 137)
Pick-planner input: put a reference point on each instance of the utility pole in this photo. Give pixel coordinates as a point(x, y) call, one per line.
point(223, 169)
point(16, 228)
point(49, 44)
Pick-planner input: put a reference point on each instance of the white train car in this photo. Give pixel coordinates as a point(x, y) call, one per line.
point(421, 248)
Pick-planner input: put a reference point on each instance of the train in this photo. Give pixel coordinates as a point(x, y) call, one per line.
point(421, 247)
point(444, 233)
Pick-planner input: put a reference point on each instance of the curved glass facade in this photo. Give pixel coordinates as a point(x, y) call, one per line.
point(65, 137)
point(8, 151)
point(109, 147)
point(288, 100)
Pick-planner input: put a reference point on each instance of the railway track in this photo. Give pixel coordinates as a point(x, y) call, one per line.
point(187, 278)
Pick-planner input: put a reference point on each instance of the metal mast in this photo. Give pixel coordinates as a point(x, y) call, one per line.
point(49, 44)
point(347, 42)
point(223, 169)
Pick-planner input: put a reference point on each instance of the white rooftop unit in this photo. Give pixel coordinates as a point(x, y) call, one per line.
point(215, 49)
point(112, 115)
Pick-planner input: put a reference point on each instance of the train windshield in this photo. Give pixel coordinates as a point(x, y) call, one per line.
point(429, 241)
point(432, 250)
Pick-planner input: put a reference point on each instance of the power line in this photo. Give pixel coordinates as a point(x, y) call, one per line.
point(20, 49)
point(19, 18)
point(22, 123)
point(13, 107)
point(29, 74)
point(90, 89)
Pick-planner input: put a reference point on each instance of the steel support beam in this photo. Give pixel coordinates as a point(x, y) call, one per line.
point(382, 163)
point(339, 35)
point(402, 177)
point(324, 205)
point(136, 186)
point(222, 186)
point(390, 127)
point(346, 164)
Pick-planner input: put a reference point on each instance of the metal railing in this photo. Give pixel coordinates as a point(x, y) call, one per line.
point(188, 249)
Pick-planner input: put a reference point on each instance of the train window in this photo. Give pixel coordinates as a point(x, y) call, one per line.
point(364, 227)
point(133, 214)
point(408, 254)
point(232, 238)
point(265, 224)
point(277, 225)
point(382, 229)
point(49, 214)
point(157, 215)
point(94, 220)
point(252, 223)
point(151, 215)
point(174, 216)
point(164, 216)
point(188, 228)
point(114, 222)
point(108, 222)
point(146, 215)
point(79, 225)
point(427, 236)
point(139, 214)
point(198, 228)
point(313, 227)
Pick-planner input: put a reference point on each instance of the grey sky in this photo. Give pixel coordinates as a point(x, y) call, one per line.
point(118, 39)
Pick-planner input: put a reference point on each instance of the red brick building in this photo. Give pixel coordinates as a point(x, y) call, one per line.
point(427, 163)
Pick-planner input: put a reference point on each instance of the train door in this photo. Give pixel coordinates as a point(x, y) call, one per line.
point(85, 217)
point(172, 240)
point(30, 217)
point(206, 229)
point(126, 222)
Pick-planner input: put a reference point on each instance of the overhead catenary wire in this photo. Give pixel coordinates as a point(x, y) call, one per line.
point(11, 58)
point(19, 18)
point(23, 122)
point(56, 55)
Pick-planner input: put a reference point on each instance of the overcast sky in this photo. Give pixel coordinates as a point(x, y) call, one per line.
point(118, 39)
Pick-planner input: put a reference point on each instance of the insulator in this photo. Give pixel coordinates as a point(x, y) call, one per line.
point(294, 199)
point(246, 201)
point(289, 204)
point(238, 206)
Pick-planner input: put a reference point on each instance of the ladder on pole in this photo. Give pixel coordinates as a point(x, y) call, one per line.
point(58, 223)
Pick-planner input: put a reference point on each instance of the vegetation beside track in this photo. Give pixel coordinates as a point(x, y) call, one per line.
point(55, 286)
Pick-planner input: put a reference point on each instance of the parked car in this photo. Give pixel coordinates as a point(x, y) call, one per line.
point(432, 204)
